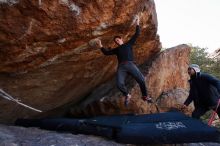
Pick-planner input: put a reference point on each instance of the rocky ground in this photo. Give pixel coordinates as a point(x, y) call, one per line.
point(19, 136)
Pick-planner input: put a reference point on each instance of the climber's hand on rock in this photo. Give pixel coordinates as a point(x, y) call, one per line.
point(137, 20)
point(99, 43)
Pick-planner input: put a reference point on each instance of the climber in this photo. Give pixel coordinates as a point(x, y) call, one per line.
point(204, 92)
point(126, 64)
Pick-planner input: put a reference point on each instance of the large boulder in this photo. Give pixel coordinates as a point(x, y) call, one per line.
point(47, 53)
point(167, 80)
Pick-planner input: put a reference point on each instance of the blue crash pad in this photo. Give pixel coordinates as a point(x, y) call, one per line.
point(162, 128)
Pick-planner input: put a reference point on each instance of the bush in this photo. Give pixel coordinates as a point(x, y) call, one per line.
point(207, 64)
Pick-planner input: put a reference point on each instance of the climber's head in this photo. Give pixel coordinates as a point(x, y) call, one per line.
point(118, 40)
point(193, 69)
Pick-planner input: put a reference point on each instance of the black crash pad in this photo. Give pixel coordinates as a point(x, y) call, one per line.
point(162, 128)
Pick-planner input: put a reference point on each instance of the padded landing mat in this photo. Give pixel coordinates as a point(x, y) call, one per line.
point(163, 128)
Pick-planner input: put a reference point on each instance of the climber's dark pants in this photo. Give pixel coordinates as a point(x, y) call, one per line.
point(126, 68)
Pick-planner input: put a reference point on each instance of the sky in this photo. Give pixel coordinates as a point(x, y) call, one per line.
point(195, 22)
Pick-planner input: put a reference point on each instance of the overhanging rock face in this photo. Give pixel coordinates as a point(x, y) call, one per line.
point(47, 53)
